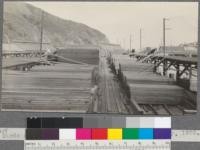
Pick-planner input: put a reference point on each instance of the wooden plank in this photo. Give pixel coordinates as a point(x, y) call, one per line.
point(17, 61)
point(61, 87)
point(147, 87)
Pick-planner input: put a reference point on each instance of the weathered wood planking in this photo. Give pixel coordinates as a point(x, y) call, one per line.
point(87, 55)
point(111, 99)
point(150, 88)
point(59, 87)
point(11, 61)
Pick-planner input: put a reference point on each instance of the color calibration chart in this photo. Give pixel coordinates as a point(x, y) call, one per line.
point(113, 133)
point(76, 133)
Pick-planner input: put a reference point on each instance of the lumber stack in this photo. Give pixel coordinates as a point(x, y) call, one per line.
point(85, 55)
point(60, 87)
point(148, 87)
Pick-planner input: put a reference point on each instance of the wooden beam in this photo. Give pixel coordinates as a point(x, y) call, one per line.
point(181, 73)
point(164, 66)
point(167, 109)
point(158, 64)
point(180, 108)
point(153, 109)
point(154, 68)
point(171, 64)
point(177, 72)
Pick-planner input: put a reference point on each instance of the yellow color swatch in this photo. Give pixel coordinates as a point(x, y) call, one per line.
point(115, 134)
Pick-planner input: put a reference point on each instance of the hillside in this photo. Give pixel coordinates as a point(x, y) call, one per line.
point(22, 22)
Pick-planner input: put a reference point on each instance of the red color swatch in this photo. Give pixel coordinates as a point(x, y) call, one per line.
point(99, 133)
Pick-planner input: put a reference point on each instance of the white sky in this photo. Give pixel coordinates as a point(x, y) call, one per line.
point(117, 20)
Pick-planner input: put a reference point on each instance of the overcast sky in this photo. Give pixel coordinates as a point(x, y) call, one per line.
point(117, 20)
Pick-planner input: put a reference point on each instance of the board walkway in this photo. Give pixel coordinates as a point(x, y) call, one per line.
point(111, 99)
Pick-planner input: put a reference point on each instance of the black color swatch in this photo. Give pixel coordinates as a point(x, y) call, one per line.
point(33, 134)
point(34, 123)
point(50, 122)
point(55, 123)
point(73, 123)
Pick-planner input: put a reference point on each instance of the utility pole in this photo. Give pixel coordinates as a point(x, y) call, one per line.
point(130, 41)
point(164, 45)
point(164, 20)
point(41, 33)
point(140, 39)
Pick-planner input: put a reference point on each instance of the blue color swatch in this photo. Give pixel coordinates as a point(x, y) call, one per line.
point(145, 133)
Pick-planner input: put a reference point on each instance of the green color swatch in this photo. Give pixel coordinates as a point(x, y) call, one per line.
point(130, 133)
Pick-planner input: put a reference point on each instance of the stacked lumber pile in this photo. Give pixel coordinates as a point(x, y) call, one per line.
point(148, 87)
point(85, 55)
point(61, 87)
